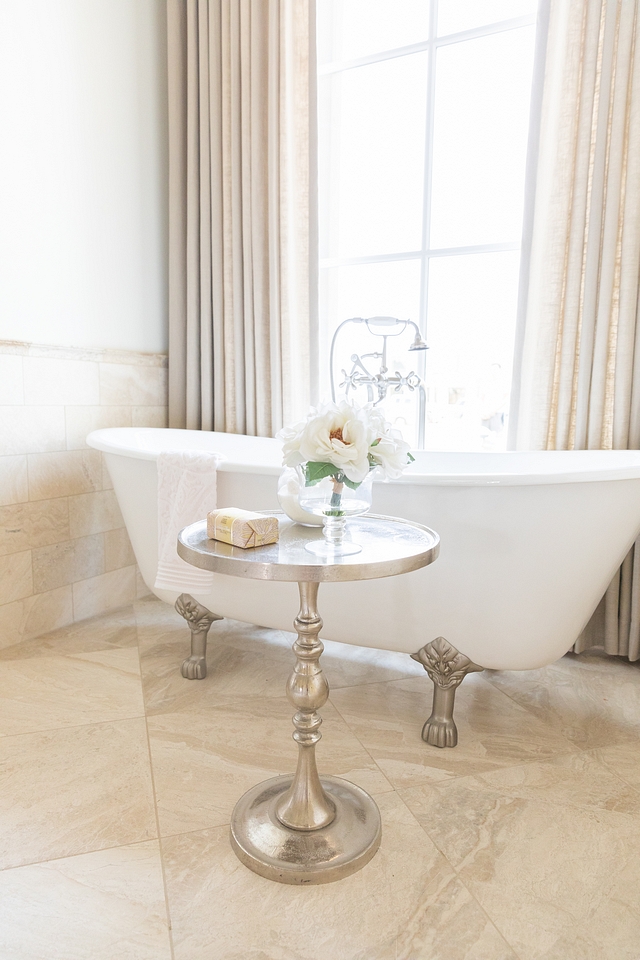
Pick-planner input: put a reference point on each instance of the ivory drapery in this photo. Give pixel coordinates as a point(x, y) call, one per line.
point(579, 378)
point(242, 220)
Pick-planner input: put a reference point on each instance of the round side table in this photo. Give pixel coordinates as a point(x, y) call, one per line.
point(304, 829)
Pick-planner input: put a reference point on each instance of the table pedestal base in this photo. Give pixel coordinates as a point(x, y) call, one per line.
point(280, 853)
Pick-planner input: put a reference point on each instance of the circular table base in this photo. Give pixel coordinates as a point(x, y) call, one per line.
point(279, 853)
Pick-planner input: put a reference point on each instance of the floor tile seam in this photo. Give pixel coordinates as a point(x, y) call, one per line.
point(83, 853)
point(52, 655)
point(375, 683)
point(222, 701)
point(366, 750)
point(460, 880)
point(544, 801)
point(157, 817)
point(502, 766)
point(71, 726)
point(524, 707)
point(615, 773)
point(569, 751)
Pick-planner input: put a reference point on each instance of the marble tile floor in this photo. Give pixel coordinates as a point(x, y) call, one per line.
point(118, 778)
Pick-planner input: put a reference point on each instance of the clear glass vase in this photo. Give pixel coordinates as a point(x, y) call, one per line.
point(335, 502)
point(290, 483)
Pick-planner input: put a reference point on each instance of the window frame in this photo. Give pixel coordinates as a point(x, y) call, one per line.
point(426, 253)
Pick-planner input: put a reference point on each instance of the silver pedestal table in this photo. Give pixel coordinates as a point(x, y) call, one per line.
point(304, 829)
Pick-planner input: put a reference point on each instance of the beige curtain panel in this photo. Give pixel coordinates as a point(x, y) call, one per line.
point(242, 276)
point(580, 366)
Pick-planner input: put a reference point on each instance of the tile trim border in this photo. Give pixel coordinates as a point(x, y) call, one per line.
point(98, 354)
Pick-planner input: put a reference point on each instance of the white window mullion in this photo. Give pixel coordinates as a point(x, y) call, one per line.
point(484, 31)
point(428, 170)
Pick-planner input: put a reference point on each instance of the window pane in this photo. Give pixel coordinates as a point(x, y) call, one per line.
point(367, 290)
point(348, 29)
point(371, 164)
point(472, 309)
point(455, 15)
point(483, 89)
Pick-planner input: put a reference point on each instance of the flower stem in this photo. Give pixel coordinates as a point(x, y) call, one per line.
point(336, 496)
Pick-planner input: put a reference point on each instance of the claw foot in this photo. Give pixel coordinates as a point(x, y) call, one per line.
point(199, 620)
point(440, 733)
point(447, 668)
point(194, 668)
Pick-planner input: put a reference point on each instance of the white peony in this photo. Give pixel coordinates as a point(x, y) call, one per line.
point(391, 454)
point(353, 439)
point(389, 451)
point(333, 433)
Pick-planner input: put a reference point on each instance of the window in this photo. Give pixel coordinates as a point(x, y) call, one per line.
point(423, 125)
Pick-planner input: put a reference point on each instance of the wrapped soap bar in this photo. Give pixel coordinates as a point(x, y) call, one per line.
point(241, 528)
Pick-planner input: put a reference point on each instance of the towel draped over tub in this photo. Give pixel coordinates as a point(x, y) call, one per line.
point(186, 493)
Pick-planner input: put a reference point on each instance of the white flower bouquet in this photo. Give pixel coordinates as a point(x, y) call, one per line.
point(344, 442)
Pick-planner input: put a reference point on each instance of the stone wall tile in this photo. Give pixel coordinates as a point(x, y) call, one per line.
point(31, 430)
point(14, 484)
point(34, 615)
point(11, 380)
point(64, 474)
point(118, 551)
point(55, 381)
point(15, 577)
point(67, 562)
point(149, 417)
point(122, 384)
point(99, 594)
point(82, 420)
point(94, 513)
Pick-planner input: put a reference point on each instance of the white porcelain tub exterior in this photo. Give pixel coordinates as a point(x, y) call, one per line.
point(529, 543)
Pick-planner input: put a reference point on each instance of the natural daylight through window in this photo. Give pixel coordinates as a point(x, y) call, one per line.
point(423, 126)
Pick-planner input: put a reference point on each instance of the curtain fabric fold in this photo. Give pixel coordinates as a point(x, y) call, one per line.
point(580, 366)
point(242, 218)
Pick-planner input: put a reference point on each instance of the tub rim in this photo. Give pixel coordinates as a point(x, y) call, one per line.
point(628, 461)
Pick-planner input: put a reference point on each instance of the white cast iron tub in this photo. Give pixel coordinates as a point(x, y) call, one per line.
point(529, 544)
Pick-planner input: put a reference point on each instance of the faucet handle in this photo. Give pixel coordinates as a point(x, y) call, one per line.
point(411, 381)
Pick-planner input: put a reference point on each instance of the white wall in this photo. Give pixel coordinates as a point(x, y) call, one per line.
point(83, 162)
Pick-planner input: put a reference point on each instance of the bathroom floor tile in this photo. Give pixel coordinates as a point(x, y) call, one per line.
point(406, 903)
point(622, 759)
point(592, 700)
point(115, 629)
point(206, 758)
point(98, 906)
point(493, 731)
point(244, 660)
point(42, 693)
point(522, 843)
point(74, 790)
point(559, 880)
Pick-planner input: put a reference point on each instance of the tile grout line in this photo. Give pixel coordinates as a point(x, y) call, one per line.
point(71, 856)
point(460, 880)
point(155, 799)
point(68, 726)
point(531, 712)
point(452, 776)
point(366, 750)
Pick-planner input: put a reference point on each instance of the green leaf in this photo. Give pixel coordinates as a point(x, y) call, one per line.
point(372, 461)
point(375, 442)
point(315, 472)
point(411, 459)
point(351, 483)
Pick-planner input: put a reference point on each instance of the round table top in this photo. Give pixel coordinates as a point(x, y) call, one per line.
point(389, 546)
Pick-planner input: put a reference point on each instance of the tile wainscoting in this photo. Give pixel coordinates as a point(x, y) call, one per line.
point(64, 552)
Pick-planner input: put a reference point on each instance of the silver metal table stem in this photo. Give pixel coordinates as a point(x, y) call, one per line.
point(307, 829)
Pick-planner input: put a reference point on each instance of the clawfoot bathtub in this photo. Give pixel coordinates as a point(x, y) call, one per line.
point(529, 543)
